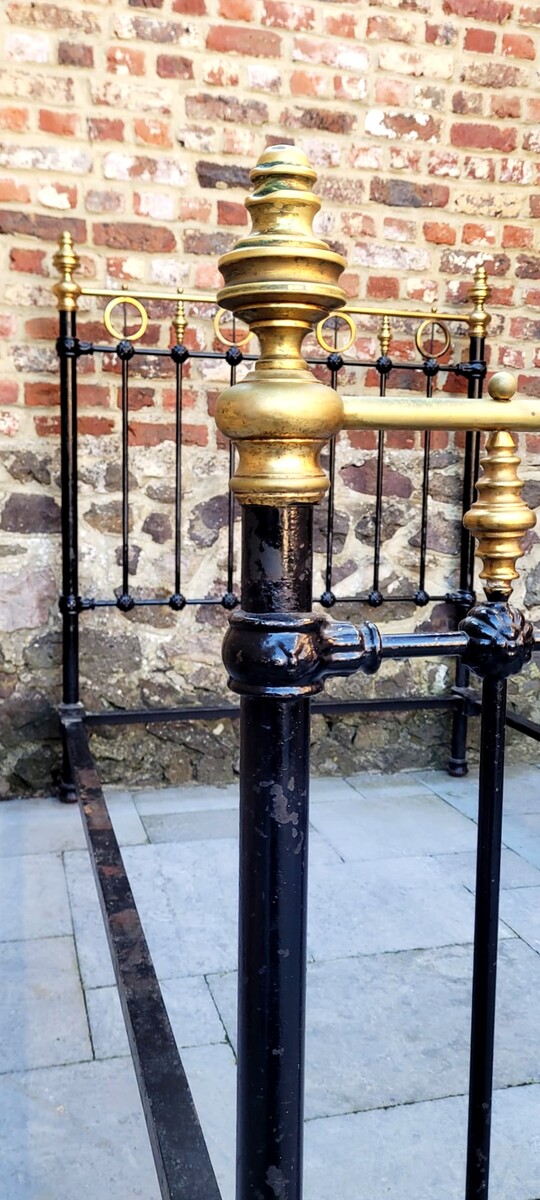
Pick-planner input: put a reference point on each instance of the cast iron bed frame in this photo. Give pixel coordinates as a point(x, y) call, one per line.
point(278, 704)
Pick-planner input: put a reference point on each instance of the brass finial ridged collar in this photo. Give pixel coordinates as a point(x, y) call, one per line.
point(66, 261)
point(281, 279)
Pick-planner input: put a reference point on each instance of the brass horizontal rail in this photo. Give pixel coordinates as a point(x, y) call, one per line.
point(145, 294)
point(411, 411)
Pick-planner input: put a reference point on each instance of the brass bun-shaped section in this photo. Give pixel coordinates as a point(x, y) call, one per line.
point(499, 518)
point(282, 280)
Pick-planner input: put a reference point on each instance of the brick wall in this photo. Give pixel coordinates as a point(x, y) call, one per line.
point(135, 124)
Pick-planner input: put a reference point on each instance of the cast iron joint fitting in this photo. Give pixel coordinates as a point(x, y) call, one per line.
point(501, 640)
point(287, 655)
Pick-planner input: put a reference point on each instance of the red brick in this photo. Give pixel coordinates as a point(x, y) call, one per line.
point(47, 426)
point(153, 132)
point(529, 385)
point(95, 395)
point(473, 234)
point(529, 16)
point(519, 45)
point(496, 11)
point(237, 39)
point(481, 41)
point(192, 8)
point(439, 233)
point(237, 10)
point(403, 194)
point(64, 124)
point(11, 190)
point(467, 102)
point(391, 29)
point(105, 129)
point(283, 15)
point(441, 35)
point(9, 391)
point(8, 325)
point(381, 287)
point(144, 433)
point(174, 66)
point(53, 16)
point(123, 61)
point(32, 261)
point(340, 25)
point(483, 137)
point(48, 229)
point(516, 235)
point(309, 83)
point(75, 54)
point(362, 439)
point(14, 119)
point(41, 395)
point(391, 91)
point(194, 210)
point(231, 214)
point(126, 235)
point(528, 267)
point(94, 426)
point(505, 107)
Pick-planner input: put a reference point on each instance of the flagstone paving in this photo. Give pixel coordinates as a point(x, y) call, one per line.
point(389, 974)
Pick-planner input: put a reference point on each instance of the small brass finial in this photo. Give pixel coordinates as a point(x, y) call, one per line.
point(282, 280)
point(480, 292)
point(499, 518)
point(385, 335)
point(66, 261)
point(179, 321)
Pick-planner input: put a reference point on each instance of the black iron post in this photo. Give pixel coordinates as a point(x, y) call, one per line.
point(274, 784)
point(69, 600)
point(500, 643)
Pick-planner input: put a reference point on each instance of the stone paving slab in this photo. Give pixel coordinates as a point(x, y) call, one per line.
point(394, 1028)
point(39, 826)
point(42, 1012)
point(388, 904)
point(386, 826)
point(522, 914)
point(521, 789)
point(33, 898)
point(522, 834)
point(75, 1133)
point(192, 826)
point(417, 1151)
point(192, 1012)
point(92, 947)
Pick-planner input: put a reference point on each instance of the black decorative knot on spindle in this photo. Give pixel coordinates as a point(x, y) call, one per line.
point(70, 605)
point(501, 640)
point(125, 350)
point(125, 602)
point(421, 598)
point(375, 598)
point(229, 601)
point(233, 356)
point(430, 367)
point(334, 361)
point(179, 354)
point(287, 655)
point(177, 602)
point(383, 365)
point(70, 347)
point(471, 370)
point(328, 599)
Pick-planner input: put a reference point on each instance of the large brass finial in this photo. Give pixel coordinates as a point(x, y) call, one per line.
point(66, 261)
point(281, 280)
point(480, 292)
point(499, 518)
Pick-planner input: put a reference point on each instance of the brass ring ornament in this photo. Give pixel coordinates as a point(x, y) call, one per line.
point(221, 312)
point(418, 336)
point(128, 337)
point(340, 316)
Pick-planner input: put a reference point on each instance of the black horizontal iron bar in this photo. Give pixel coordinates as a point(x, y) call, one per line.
point(365, 599)
point(514, 720)
point(143, 716)
point(423, 645)
point(181, 1158)
point(89, 603)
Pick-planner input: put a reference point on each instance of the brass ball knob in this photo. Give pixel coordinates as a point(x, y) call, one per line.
point(502, 386)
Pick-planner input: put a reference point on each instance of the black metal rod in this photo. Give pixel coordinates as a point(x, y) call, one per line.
point(125, 477)
point(423, 645)
point(178, 483)
point(488, 866)
point(69, 608)
point(181, 1158)
point(457, 764)
point(230, 502)
point(274, 783)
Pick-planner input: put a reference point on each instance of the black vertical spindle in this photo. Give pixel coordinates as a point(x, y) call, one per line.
point(69, 601)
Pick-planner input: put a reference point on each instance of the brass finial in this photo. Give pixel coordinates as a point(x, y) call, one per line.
point(480, 292)
point(499, 518)
point(66, 261)
point(179, 321)
point(385, 335)
point(282, 281)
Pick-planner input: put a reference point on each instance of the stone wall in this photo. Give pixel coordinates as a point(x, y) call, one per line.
point(134, 126)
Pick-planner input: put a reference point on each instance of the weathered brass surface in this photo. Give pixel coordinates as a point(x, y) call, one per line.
point(282, 281)
point(480, 292)
point(499, 518)
point(66, 261)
